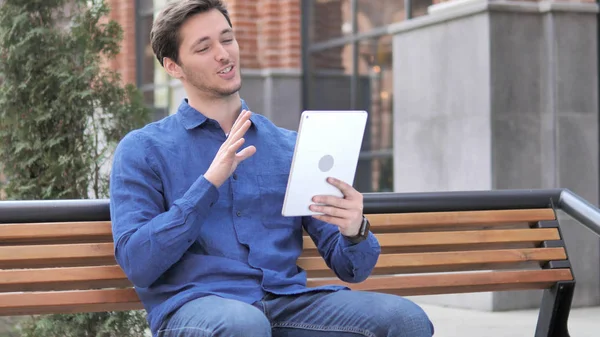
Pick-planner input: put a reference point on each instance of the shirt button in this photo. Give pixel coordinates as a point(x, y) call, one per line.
point(238, 213)
point(235, 176)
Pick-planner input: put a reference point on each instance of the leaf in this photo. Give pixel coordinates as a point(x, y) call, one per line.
point(61, 115)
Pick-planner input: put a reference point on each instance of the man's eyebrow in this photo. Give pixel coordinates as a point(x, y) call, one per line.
point(205, 38)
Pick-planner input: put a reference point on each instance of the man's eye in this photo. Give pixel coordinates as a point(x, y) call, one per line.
point(202, 50)
point(228, 41)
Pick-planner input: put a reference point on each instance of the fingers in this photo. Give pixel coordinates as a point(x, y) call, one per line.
point(345, 213)
point(233, 148)
point(329, 219)
point(344, 224)
point(243, 154)
point(347, 190)
point(227, 157)
point(331, 211)
point(333, 201)
point(240, 116)
point(246, 153)
point(235, 141)
point(240, 121)
point(238, 134)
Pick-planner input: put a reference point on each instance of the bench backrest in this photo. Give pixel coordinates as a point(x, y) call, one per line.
point(66, 267)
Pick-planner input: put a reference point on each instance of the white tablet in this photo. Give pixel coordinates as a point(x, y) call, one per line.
point(328, 145)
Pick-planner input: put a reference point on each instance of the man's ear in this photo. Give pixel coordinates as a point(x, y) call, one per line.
point(172, 68)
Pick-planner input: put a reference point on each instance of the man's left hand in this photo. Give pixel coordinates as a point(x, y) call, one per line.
point(345, 212)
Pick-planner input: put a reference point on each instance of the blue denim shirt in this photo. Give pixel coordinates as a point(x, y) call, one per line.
point(177, 237)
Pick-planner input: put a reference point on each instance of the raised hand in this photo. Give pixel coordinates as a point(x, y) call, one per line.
point(346, 213)
point(228, 157)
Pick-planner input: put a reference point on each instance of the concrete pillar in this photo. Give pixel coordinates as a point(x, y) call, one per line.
point(501, 95)
point(274, 93)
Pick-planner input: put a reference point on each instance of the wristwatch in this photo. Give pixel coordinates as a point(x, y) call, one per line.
point(363, 232)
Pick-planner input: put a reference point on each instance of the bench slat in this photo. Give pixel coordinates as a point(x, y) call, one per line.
point(15, 304)
point(399, 221)
point(56, 255)
point(461, 238)
point(445, 261)
point(102, 254)
point(101, 230)
point(87, 278)
point(55, 232)
point(72, 278)
point(431, 284)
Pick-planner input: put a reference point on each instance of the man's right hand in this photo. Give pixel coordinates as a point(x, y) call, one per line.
point(227, 158)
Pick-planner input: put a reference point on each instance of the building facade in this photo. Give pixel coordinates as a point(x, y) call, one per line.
point(461, 94)
point(352, 75)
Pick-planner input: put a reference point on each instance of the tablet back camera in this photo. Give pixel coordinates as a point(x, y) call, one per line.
point(326, 163)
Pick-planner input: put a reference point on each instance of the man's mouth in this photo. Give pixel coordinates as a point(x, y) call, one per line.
point(226, 70)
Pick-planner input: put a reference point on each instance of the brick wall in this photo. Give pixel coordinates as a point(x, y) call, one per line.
point(244, 18)
point(268, 32)
point(123, 11)
point(326, 23)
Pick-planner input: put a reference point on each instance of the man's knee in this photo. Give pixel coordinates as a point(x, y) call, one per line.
point(216, 317)
point(391, 315)
point(243, 322)
point(405, 317)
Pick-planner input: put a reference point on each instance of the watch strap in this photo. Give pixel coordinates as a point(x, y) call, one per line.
point(363, 232)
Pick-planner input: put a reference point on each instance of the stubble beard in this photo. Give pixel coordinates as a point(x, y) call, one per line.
point(211, 91)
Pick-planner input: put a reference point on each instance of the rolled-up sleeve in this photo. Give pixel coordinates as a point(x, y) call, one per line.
point(351, 262)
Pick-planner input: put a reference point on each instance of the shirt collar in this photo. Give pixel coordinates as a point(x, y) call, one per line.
point(191, 118)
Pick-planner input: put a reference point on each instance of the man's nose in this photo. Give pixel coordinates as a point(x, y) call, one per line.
point(221, 53)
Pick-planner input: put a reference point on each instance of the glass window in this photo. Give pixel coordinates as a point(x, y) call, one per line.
point(330, 19)
point(157, 98)
point(158, 4)
point(419, 7)
point(372, 14)
point(149, 6)
point(146, 6)
point(161, 77)
point(331, 78)
point(154, 81)
point(376, 13)
point(374, 174)
point(147, 56)
point(375, 90)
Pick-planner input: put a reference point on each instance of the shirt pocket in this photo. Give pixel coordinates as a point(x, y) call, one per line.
point(272, 193)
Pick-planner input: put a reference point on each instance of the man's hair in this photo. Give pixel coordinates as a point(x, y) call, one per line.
point(165, 36)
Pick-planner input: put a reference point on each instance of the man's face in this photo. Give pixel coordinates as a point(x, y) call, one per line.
point(209, 55)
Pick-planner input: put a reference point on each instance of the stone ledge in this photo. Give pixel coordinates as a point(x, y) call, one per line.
point(456, 9)
point(517, 6)
point(272, 72)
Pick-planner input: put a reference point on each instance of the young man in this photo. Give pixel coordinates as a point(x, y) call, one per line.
point(196, 210)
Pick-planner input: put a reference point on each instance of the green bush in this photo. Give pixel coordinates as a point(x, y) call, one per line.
point(62, 112)
point(105, 324)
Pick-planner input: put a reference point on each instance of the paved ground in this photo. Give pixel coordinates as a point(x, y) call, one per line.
point(451, 322)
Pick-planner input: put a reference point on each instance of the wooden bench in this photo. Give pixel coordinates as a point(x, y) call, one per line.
point(68, 267)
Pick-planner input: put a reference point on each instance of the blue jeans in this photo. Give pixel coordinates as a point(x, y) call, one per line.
point(319, 314)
